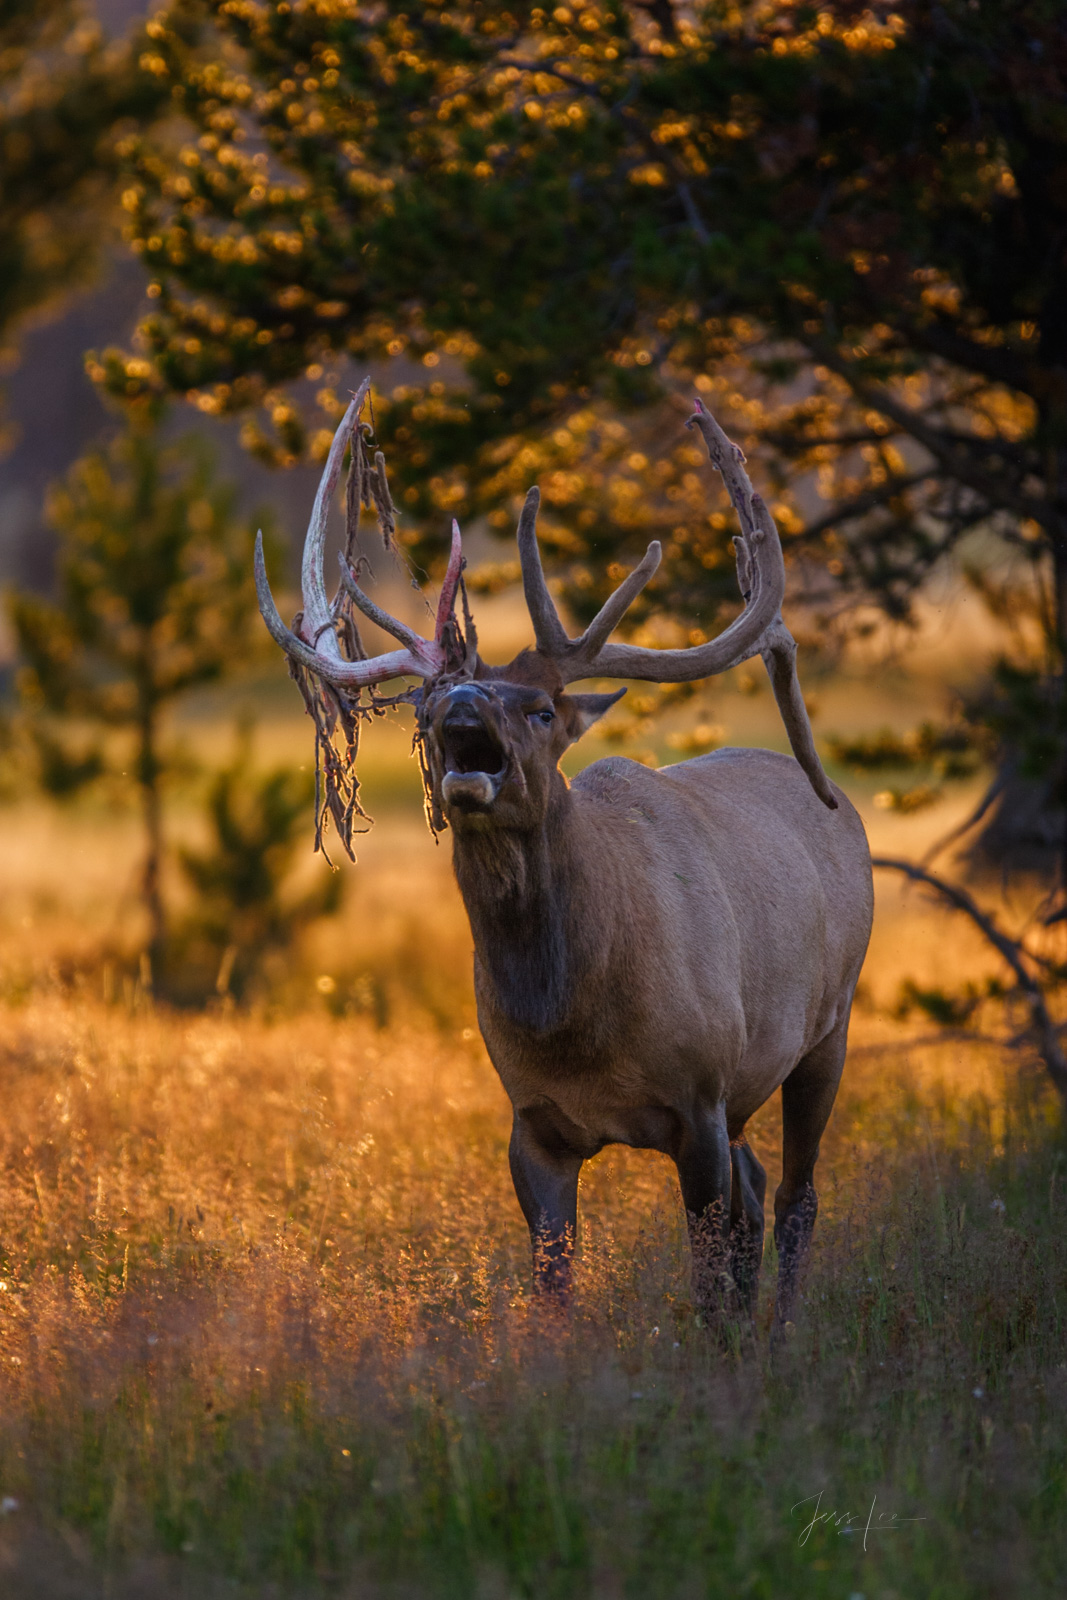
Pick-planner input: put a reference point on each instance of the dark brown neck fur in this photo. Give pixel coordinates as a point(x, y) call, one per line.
point(518, 888)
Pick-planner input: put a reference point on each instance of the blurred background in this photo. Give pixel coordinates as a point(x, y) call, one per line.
point(541, 231)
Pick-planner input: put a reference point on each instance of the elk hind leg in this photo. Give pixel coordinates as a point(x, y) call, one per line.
point(807, 1099)
point(747, 1191)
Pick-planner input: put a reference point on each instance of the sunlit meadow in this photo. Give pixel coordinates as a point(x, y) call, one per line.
point(265, 1322)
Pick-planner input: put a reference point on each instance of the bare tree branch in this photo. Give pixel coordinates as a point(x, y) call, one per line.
point(1011, 952)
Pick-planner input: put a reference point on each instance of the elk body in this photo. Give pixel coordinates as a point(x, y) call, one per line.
point(656, 952)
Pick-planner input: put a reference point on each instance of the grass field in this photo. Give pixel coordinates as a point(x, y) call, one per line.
point(265, 1326)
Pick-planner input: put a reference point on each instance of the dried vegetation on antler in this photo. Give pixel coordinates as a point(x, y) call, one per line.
point(339, 680)
point(324, 648)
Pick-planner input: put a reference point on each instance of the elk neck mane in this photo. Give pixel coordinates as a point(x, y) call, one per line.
point(520, 891)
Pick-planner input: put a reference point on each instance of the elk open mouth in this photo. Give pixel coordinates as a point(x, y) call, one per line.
point(472, 748)
point(475, 765)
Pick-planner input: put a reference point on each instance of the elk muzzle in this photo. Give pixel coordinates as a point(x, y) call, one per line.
point(472, 746)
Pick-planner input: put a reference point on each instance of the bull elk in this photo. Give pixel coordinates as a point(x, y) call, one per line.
point(655, 952)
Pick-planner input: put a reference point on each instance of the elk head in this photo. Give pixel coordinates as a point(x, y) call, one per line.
point(494, 744)
point(492, 737)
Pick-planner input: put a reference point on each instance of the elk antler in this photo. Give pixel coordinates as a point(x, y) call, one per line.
point(316, 645)
point(759, 630)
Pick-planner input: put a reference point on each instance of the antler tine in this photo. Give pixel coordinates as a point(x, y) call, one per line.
point(446, 603)
point(780, 658)
point(746, 575)
point(761, 576)
point(548, 629)
point(759, 630)
point(374, 613)
point(318, 649)
point(618, 603)
point(318, 619)
point(269, 611)
point(729, 459)
point(342, 674)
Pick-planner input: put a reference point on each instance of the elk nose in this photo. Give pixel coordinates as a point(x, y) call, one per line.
point(461, 706)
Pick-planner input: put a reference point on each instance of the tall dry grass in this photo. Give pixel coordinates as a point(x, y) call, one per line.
point(265, 1323)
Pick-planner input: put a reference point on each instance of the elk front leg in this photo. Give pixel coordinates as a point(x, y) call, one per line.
point(704, 1172)
point(545, 1175)
point(746, 1223)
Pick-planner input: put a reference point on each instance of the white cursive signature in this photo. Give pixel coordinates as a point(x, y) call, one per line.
point(849, 1522)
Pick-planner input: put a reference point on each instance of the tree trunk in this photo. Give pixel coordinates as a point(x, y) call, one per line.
point(148, 776)
point(1058, 488)
point(1025, 831)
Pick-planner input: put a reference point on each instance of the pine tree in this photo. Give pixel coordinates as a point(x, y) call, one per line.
point(847, 222)
point(155, 597)
point(67, 98)
point(243, 913)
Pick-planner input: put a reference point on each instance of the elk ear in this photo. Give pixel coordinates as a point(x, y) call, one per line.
point(580, 711)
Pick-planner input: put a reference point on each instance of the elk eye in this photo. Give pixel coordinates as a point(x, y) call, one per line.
point(542, 716)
